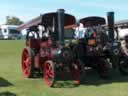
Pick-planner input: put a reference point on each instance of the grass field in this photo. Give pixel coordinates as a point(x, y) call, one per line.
point(12, 82)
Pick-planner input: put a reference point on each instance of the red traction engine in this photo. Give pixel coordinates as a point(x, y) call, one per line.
point(46, 51)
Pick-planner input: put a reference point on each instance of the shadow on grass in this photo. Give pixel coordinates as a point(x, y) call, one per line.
point(4, 83)
point(64, 84)
point(92, 78)
point(64, 80)
point(7, 94)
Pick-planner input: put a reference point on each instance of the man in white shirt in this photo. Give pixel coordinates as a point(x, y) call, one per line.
point(80, 32)
point(125, 45)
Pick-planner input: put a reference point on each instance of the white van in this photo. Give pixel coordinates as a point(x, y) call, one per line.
point(10, 32)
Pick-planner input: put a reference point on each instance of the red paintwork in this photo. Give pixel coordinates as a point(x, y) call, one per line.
point(48, 73)
point(43, 52)
point(26, 61)
point(33, 43)
point(46, 44)
point(75, 73)
point(37, 61)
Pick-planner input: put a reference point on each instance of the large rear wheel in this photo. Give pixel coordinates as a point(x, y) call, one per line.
point(49, 73)
point(103, 68)
point(123, 66)
point(27, 62)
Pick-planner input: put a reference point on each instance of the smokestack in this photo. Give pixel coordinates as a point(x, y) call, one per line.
point(61, 25)
point(110, 17)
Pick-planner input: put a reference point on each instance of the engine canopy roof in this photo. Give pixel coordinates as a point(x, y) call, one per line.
point(47, 19)
point(92, 21)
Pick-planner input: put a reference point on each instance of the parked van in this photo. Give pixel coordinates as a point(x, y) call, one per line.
point(10, 32)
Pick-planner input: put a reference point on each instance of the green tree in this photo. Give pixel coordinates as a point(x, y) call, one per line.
point(12, 20)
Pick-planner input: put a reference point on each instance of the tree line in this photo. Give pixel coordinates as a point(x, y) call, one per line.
point(13, 20)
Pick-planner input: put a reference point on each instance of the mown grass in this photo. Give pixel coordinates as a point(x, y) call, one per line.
point(12, 82)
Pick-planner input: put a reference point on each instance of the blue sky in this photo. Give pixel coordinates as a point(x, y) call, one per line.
point(28, 9)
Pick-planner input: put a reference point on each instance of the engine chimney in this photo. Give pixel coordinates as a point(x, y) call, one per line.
point(110, 17)
point(60, 25)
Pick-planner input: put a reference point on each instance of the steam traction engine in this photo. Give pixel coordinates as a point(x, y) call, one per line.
point(45, 50)
point(94, 42)
point(99, 48)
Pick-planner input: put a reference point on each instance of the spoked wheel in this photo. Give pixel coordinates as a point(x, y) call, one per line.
point(103, 68)
point(27, 62)
point(75, 72)
point(49, 73)
point(123, 66)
